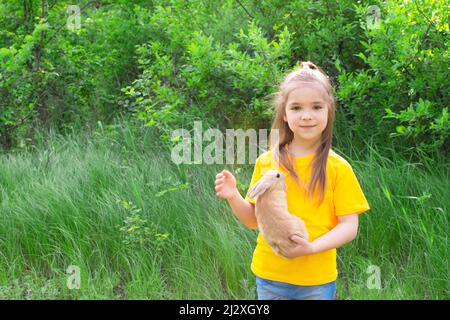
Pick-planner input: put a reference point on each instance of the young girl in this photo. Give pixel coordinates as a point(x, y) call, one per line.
point(329, 203)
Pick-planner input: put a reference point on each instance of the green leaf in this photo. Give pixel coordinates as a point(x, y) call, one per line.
point(362, 56)
point(400, 129)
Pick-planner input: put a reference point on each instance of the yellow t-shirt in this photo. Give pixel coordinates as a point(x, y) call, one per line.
point(343, 195)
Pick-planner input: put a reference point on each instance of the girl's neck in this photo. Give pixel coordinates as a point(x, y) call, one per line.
point(303, 148)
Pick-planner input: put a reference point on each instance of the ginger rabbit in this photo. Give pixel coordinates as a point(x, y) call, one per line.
point(275, 223)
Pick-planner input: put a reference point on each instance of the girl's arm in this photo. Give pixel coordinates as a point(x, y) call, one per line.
point(344, 232)
point(244, 210)
point(226, 189)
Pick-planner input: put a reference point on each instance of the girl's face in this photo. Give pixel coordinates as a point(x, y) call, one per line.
point(307, 112)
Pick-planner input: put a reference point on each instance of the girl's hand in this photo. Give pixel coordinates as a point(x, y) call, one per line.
point(226, 185)
point(303, 248)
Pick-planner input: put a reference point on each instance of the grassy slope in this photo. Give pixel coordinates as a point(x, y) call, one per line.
point(58, 208)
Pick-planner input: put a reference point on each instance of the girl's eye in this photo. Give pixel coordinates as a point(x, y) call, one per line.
point(299, 108)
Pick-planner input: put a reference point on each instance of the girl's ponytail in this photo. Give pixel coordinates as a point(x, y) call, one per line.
point(308, 64)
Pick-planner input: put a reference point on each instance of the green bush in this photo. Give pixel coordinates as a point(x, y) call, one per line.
point(402, 90)
point(53, 77)
point(173, 62)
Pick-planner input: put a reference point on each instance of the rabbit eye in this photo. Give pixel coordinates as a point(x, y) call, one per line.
point(278, 175)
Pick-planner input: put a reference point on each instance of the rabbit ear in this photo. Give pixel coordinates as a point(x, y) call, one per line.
point(258, 189)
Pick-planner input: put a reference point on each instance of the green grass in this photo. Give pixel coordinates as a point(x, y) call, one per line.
point(66, 203)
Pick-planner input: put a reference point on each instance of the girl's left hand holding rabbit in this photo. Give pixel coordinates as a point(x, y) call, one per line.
point(303, 248)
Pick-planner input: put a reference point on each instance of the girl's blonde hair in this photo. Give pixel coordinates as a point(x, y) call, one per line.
point(307, 73)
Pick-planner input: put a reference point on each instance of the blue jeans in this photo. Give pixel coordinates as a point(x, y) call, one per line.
point(274, 290)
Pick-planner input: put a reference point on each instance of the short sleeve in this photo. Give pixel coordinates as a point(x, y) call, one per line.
point(348, 196)
point(255, 177)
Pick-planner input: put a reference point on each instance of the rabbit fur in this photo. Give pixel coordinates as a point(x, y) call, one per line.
point(275, 223)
